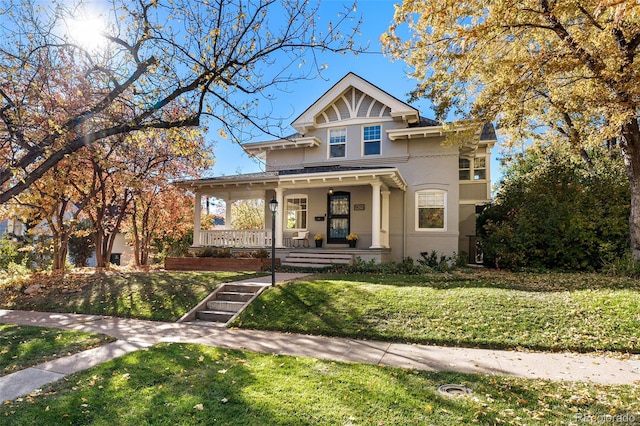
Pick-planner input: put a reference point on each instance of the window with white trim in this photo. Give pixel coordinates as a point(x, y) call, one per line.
point(431, 209)
point(464, 168)
point(472, 169)
point(337, 143)
point(296, 211)
point(371, 140)
point(479, 168)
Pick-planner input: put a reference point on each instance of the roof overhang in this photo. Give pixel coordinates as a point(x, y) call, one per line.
point(258, 149)
point(389, 177)
point(470, 133)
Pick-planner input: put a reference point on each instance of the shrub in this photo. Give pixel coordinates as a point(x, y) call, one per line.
point(435, 261)
point(260, 254)
point(555, 211)
point(625, 266)
point(214, 252)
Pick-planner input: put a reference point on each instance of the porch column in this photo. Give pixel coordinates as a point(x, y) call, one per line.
point(197, 213)
point(375, 215)
point(227, 214)
point(279, 215)
point(385, 218)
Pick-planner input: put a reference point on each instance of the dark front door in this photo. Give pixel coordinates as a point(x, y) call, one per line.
point(339, 216)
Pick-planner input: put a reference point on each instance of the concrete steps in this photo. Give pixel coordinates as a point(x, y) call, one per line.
point(317, 259)
point(225, 303)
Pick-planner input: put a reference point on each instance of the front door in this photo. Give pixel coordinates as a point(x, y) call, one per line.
point(339, 216)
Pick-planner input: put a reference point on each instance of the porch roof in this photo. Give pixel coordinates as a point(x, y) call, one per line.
point(307, 177)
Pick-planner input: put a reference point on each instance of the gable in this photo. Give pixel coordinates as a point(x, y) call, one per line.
point(353, 103)
point(354, 98)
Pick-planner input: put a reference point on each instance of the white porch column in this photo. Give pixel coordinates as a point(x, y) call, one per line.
point(385, 218)
point(227, 214)
point(375, 215)
point(279, 215)
point(197, 213)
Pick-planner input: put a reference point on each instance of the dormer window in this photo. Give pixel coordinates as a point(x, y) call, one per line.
point(337, 143)
point(371, 140)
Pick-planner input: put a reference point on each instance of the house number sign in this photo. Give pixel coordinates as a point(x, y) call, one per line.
point(358, 206)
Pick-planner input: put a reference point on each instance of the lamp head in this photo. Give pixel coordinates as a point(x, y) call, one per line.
point(273, 205)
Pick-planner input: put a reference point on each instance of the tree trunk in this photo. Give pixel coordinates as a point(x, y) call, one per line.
point(99, 241)
point(630, 147)
point(60, 249)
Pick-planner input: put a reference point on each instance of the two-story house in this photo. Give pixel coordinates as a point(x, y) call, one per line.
point(362, 162)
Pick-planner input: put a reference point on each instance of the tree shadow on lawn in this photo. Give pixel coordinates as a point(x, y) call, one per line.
point(523, 281)
point(149, 295)
point(191, 384)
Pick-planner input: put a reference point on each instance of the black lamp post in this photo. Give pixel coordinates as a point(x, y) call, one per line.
point(273, 206)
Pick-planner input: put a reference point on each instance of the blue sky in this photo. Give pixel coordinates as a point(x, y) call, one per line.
point(372, 66)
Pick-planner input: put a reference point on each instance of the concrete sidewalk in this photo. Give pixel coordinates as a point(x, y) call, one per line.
point(136, 334)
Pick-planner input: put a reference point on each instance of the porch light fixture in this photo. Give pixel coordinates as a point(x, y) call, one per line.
point(330, 191)
point(273, 206)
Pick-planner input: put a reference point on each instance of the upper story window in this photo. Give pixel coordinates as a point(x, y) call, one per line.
point(464, 169)
point(337, 143)
point(479, 168)
point(371, 140)
point(431, 208)
point(476, 168)
point(296, 211)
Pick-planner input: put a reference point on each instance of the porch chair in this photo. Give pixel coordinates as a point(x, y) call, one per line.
point(301, 237)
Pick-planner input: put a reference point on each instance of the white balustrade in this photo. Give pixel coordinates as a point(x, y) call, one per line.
point(236, 238)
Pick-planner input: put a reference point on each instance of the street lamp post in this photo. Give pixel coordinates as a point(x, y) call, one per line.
point(273, 206)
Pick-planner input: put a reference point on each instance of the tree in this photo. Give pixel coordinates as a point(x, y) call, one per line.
point(554, 210)
point(545, 70)
point(161, 214)
point(81, 245)
point(159, 210)
point(247, 214)
point(212, 59)
point(53, 201)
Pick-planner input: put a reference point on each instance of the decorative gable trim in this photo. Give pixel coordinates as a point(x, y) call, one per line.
point(354, 98)
point(353, 103)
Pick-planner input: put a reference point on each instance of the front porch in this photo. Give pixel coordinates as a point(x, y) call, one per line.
point(332, 202)
point(245, 240)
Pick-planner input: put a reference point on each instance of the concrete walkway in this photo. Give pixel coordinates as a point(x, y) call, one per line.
point(136, 334)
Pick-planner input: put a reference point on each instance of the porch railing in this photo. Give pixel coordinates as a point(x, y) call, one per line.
point(236, 238)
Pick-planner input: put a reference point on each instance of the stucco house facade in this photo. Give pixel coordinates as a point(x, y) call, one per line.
point(362, 162)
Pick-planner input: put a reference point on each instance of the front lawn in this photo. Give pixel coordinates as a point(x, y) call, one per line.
point(580, 312)
point(24, 346)
point(180, 384)
point(159, 296)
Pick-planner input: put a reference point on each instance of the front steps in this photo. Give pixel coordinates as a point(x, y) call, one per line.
point(225, 303)
point(323, 259)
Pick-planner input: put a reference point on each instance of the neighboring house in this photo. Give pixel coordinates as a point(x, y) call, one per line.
point(362, 162)
point(12, 227)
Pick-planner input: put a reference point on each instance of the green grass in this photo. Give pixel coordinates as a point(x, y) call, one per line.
point(159, 296)
point(24, 346)
point(579, 312)
point(179, 384)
